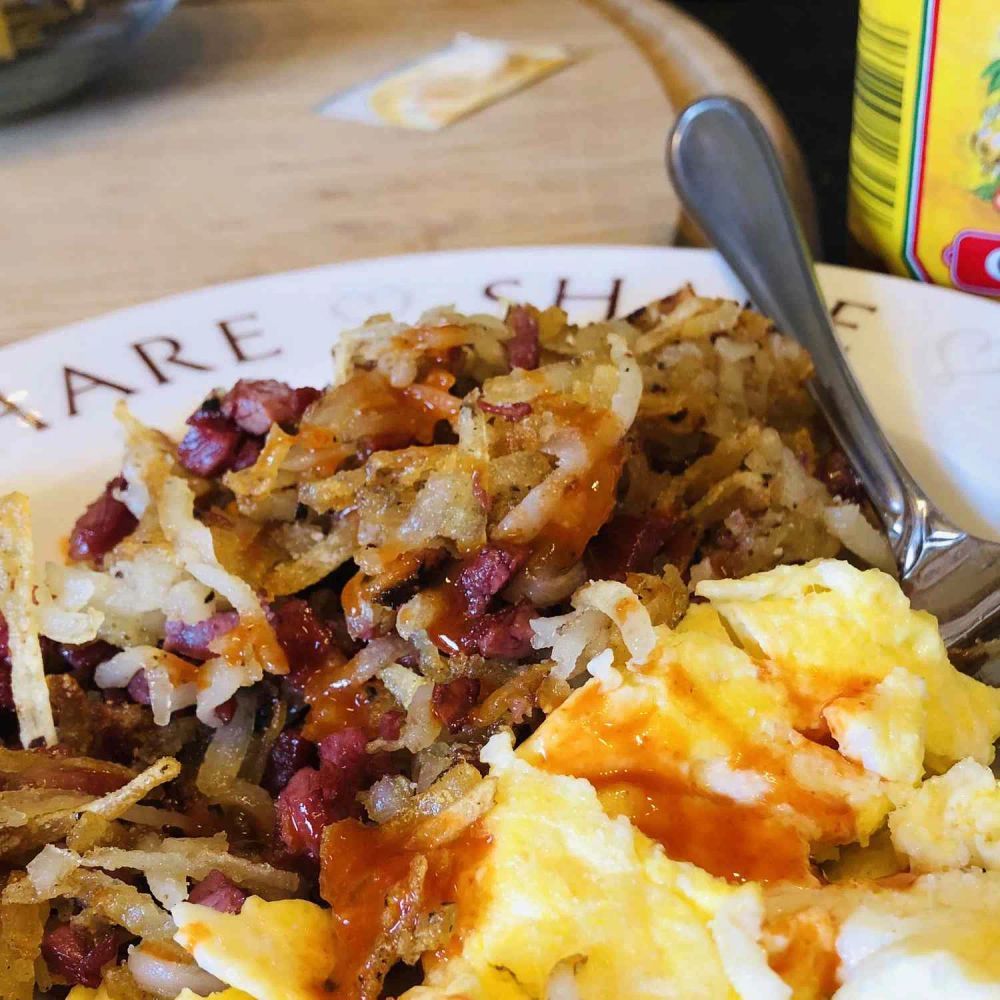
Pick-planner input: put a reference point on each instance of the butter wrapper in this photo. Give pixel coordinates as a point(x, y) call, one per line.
point(448, 84)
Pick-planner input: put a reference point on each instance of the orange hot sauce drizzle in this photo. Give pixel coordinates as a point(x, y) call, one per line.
point(635, 776)
point(361, 867)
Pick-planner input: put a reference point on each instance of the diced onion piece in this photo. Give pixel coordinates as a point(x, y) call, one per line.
point(165, 970)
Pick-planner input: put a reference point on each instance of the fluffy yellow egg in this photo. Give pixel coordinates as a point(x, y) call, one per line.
point(827, 626)
point(926, 938)
point(283, 949)
point(698, 747)
point(951, 821)
point(567, 896)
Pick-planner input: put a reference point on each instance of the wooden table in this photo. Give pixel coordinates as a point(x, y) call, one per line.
point(205, 160)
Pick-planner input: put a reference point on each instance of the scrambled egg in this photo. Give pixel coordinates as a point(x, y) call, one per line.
point(935, 936)
point(828, 627)
point(951, 821)
point(885, 728)
point(283, 949)
point(567, 893)
point(700, 748)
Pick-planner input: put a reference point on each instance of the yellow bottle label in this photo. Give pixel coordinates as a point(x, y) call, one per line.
point(925, 144)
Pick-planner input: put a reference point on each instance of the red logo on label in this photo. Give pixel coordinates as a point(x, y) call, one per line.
point(973, 258)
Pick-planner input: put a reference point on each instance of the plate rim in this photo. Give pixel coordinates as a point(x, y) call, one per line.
point(896, 281)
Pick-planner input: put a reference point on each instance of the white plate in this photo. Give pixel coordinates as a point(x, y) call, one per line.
point(928, 358)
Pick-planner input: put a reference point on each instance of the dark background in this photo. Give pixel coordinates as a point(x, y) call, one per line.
point(803, 51)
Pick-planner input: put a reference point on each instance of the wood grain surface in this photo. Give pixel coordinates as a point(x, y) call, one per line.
point(205, 161)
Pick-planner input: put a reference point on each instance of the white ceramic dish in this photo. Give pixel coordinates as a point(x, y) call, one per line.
point(928, 358)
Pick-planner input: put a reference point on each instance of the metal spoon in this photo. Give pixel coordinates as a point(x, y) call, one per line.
point(727, 175)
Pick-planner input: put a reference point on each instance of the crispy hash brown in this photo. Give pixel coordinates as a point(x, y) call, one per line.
point(253, 705)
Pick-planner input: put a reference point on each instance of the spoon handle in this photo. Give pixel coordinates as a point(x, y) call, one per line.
point(727, 175)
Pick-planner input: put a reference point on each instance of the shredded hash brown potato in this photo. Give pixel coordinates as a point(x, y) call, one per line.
point(251, 706)
point(17, 606)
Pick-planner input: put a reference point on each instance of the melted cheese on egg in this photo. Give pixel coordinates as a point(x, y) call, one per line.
point(283, 949)
point(568, 893)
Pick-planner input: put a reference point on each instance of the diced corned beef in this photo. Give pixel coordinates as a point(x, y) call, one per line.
point(77, 956)
point(81, 660)
point(839, 477)
point(193, 640)
point(342, 758)
point(390, 725)
point(138, 688)
point(487, 572)
point(302, 813)
point(452, 701)
point(225, 712)
point(523, 349)
point(504, 634)
point(509, 411)
point(384, 441)
point(102, 525)
point(305, 396)
point(218, 892)
point(6, 689)
point(627, 544)
point(313, 798)
point(211, 445)
point(291, 752)
point(227, 435)
point(306, 640)
point(248, 454)
point(6, 692)
point(480, 492)
point(256, 404)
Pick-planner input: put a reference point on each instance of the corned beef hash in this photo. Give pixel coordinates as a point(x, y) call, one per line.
point(527, 660)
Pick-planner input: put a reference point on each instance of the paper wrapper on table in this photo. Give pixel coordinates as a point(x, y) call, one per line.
point(447, 85)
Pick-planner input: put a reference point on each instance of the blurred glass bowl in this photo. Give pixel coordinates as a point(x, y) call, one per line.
point(51, 48)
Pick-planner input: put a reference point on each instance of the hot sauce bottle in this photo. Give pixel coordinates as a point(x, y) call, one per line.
point(924, 192)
